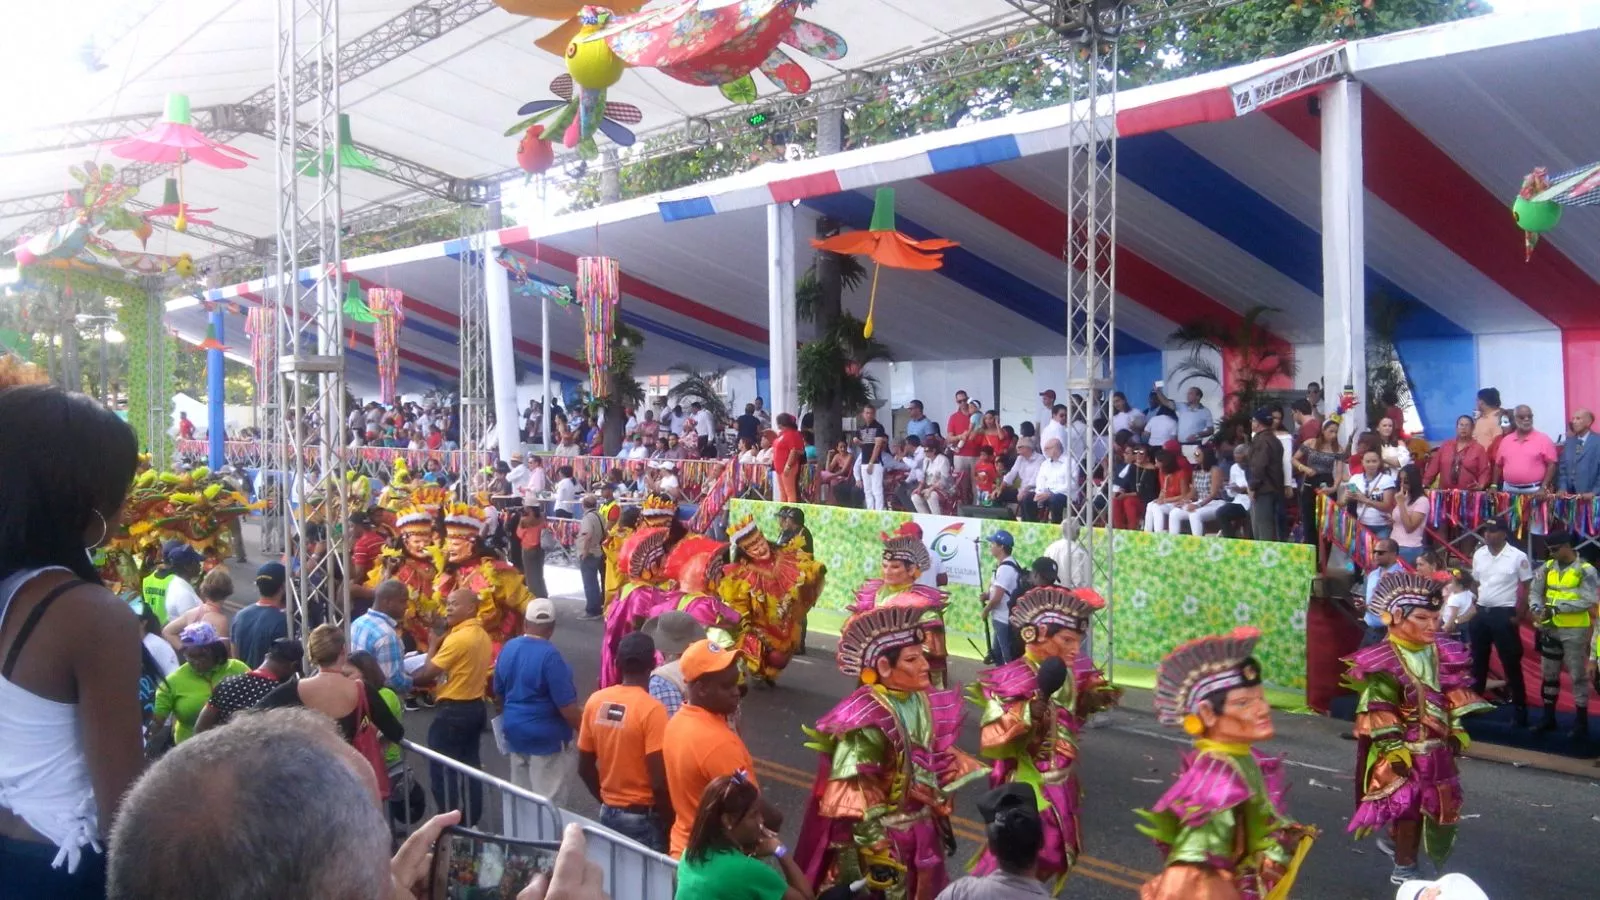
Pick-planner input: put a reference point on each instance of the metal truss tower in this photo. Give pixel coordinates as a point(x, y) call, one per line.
point(474, 348)
point(156, 382)
point(308, 297)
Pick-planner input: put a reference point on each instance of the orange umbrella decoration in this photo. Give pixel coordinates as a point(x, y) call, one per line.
point(886, 247)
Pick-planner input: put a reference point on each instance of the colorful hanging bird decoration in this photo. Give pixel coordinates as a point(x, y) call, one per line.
point(599, 292)
point(576, 120)
point(564, 11)
point(175, 141)
point(887, 247)
point(1538, 206)
point(535, 154)
point(346, 155)
point(96, 206)
point(527, 284)
point(388, 304)
point(184, 266)
point(718, 43)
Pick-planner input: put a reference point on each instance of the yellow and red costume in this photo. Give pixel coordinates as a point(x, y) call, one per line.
point(772, 589)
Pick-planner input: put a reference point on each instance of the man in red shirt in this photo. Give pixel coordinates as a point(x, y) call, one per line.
point(959, 423)
point(1308, 423)
point(788, 454)
point(185, 427)
point(435, 437)
point(1459, 465)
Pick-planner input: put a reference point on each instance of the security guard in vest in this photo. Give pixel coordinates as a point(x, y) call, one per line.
point(1563, 597)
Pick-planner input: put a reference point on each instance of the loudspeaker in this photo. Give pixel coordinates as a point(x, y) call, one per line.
point(986, 512)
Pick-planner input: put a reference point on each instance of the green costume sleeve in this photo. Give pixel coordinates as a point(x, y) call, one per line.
point(1207, 842)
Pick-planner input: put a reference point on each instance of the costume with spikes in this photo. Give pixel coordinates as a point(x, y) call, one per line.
point(908, 549)
point(1221, 827)
point(1413, 697)
point(772, 588)
point(881, 803)
point(1042, 750)
point(657, 511)
point(695, 566)
point(643, 558)
point(414, 556)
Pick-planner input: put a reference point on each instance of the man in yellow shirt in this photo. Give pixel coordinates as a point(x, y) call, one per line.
point(460, 656)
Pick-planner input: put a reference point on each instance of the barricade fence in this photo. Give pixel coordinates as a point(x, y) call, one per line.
point(632, 870)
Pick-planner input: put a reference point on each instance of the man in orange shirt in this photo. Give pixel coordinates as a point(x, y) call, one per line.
point(619, 749)
point(700, 745)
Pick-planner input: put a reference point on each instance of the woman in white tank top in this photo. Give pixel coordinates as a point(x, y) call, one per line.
point(70, 651)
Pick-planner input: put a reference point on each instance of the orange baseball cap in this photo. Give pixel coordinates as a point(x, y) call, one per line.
point(704, 657)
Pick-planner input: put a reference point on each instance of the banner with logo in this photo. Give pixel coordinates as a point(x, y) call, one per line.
point(1169, 588)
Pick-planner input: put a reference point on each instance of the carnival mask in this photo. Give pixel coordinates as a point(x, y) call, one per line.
point(1417, 625)
point(1245, 717)
point(417, 544)
point(907, 674)
point(898, 574)
point(1064, 644)
point(757, 549)
point(459, 545)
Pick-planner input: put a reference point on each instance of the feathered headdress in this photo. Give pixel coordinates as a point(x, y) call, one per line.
point(867, 636)
point(1200, 668)
point(744, 531)
point(658, 506)
point(696, 562)
point(1400, 591)
point(463, 516)
point(644, 549)
point(426, 501)
point(906, 549)
point(1045, 606)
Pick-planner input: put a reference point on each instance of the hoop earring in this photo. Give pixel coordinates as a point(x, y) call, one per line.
point(104, 530)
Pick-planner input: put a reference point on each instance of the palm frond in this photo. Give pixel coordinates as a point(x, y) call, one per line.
point(701, 386)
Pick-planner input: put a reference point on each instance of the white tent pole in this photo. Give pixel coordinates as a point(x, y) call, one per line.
point(544, 364)
point(502, 358)
point(782, 326)
point(1344, 312)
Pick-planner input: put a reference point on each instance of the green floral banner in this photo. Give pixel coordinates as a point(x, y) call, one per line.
point(1169, 588)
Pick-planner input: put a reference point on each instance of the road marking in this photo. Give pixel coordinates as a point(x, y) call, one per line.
point(1121, 876)
point(1174, 739)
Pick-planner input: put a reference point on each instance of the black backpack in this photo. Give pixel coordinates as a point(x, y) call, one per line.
point(1024, 582)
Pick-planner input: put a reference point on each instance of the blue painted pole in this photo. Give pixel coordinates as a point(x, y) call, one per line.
point(217, 426)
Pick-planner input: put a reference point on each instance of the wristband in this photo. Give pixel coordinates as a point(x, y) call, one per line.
point(780, 852)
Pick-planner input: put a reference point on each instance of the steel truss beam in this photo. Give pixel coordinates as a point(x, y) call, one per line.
point(474, 340)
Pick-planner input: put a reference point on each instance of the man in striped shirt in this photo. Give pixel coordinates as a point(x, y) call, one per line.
point(377, 632)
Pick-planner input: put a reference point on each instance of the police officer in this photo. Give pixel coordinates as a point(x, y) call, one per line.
point(1563, 597)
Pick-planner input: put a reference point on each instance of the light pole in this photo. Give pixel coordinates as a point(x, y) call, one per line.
point(105, 384)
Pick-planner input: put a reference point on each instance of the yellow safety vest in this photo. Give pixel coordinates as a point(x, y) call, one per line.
point(1561, 586)
point(154, 591)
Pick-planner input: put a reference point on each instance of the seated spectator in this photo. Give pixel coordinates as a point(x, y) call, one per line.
point(933, 495)
point(1015, 837)
point(1205, 496)
point(1057, 479)
point(185, 693)
point(240, 692)
point(619, 749)
point(835, 473)
point(1233, 517)
point(728, 843)
point(1127, 498)
point(1017, 485)
point(1176, 490)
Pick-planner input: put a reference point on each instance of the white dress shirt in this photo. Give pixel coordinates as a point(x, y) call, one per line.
point(1499, 574)
point(1054, 431)
point(1160, 429)
point(1128, 420)
point(1055, 477)
point(1024, 472)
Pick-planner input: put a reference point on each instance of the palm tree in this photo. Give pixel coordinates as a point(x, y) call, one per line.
point(702, 387)
point(831, 370)
point(1257, 359)
point(819, 299)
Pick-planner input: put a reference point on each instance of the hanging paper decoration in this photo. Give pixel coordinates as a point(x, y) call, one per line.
point(886, 247)
point(211, 342)
point(528, 284)
point(355, 307)
point(259, 324)
point(173, 207)
point(535, 154)
point(346, 155)
point(576, 117)
point(716, 43)
point(175, 141)
point(94, 207)
point(1538, 206)
point(184, 266)
point(599, 291)
point(564, 11)
point(388, 304)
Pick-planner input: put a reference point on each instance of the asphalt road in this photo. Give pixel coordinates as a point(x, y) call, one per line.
point(1526, 833)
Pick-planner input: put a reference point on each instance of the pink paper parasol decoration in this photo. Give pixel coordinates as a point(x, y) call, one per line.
point(599, 290)
point(175, 141)
point(388, 304)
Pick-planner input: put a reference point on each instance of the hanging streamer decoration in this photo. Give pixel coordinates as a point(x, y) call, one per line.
point(599, 290)
point(388, 304)
point(258, 324)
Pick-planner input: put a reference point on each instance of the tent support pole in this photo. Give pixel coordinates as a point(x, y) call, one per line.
point(1344, 263)
point(782, 325)
point(502, 358)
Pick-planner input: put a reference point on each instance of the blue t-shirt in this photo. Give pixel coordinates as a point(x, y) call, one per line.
point(254, 629)
point(535, 683)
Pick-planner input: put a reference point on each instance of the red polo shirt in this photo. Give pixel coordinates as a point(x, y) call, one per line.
point(789, 443)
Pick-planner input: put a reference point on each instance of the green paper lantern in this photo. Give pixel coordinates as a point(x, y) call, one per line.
point(1536, 216)
point(177, 109)
point(169, 193)
point(347, 155)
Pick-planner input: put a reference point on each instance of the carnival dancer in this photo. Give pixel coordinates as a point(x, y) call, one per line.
point(695, 567)
point(1222, 825)
point(881, 803)
point(1034, 708)
point(772, 589)
point(1414, 690)
point(1565, 591)
point(905, 558)
point(642, 560)
point(414, 557)
point(627, 523)
point(501, 590)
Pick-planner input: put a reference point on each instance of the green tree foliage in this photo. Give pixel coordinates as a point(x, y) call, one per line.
point(702, 387)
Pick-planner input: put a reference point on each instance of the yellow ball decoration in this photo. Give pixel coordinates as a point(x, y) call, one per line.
point(1192, 725)
point(591, 63)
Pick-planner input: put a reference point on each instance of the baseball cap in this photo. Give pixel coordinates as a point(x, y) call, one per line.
point(198, 634)
point(674, 631)
point(540, 611)
point(1454, 886)
point(1494, 525)
point(637, 647)
point(1003, 538)
point(1012, 795)
point(270, 578)
point(183, 555)
point(704, 658)
point(1558, 539)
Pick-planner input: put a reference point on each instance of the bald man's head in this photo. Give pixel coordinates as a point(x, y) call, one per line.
point(273, 804)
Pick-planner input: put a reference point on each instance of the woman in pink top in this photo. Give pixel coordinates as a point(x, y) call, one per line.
point(1410, 515)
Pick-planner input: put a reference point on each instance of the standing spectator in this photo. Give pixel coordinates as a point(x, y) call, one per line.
point(1492, 420)
point(1527, 460)
point(338, 692)
point(748, 425)
point(699, 745)
point(919, 425)
point(237, 693)
point(377, 632)
point(1579, 470)
point(185, 565)
point(723, 855)
point(1125, 417)
point(1074, 568)
point(1176, 490)
point(590, 548)
point(185, 427)
point(1205, 496)
point(460, 656)
point(1055, 428)
point(215, 589)
point(1503, 573)
point(566, 494)
point(1314, 397)
point(1385, 559)
point(1396, 455)
point(788, 456)
point(1047, 409)
point(1318, 462)
point(1161, 421)
point(1015, 837)
point(1194, 421)
point(534, 693)
point(180, 699)
point(70, 695)
point(530, 539)
point(1307, 423)
point(1562, 600)
point(672, 632)
point(619, 749)
point(704, 424)
point(1002, 592)
point(1459, 465)
point(1392, 413)
point(956, 428)
point(762, 413)
point(1266, 477)
point(1410, 515)
point(1057, 480)
point(1369, 494)
point(872, 443)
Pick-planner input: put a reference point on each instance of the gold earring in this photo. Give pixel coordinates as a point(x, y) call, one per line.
point(1192, 725)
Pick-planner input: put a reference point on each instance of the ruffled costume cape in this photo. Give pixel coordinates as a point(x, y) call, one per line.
point(637, 603)
point(883, 792)
point(772, 599)
point(875, 593)
point(1042, 754)
point(1412, 701)
point(1222, 829)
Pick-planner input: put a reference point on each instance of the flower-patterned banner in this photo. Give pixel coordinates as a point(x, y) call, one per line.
point(1169, 588)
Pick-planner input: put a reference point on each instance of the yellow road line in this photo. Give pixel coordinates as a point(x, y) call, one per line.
point(1088, 866)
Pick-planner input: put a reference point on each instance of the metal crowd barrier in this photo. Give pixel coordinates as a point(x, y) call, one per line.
point(632, 870)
